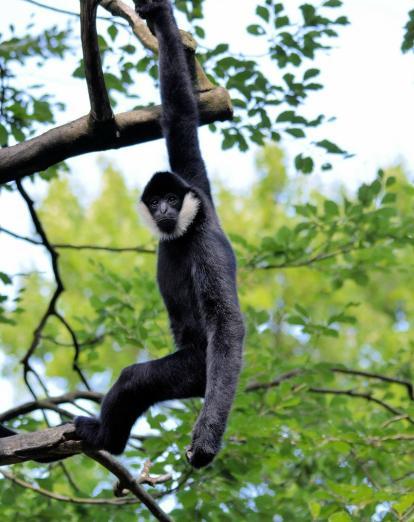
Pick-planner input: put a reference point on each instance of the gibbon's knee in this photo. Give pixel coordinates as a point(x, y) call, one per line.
point(133, 378)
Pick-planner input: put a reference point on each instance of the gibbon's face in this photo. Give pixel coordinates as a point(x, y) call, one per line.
point(168, 206)
point(165, 210)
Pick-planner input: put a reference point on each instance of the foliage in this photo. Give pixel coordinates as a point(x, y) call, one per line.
point(267, 106)
point(322, 427)
point(22, 108)
point(408, 40)
point(289, 451)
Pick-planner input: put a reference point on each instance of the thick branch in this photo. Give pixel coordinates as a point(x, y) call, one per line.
point(52, 442)
point(61, 442)
point(98, 95)
point(77, 137)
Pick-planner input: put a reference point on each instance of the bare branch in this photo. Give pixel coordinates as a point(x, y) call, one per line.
point(370, 375)
point(138, 26)
point(276, 382)
point(77, 137)
point(56, 442)
point(61, 442)
point(101, 111)
point(51, 309)
point(71, 397)
point(63, 498)
point(350, 393)
point(127, 481)
point(367, 396)
point(69, 246)
point(71, 13)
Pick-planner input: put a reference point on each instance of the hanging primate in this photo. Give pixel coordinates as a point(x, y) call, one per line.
point(196, 275)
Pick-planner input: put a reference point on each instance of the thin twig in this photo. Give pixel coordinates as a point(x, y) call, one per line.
point(128, 482)
point(367, 396)
point(52, 307)
point(31, 406)
point(63, 498)
point(72, 13)
point(68, 246)
point(371, 375)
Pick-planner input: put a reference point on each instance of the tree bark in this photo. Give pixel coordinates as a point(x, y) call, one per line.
point(79, 137)
point(38, 445)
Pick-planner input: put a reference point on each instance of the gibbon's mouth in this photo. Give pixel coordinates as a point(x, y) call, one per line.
point(166, 224)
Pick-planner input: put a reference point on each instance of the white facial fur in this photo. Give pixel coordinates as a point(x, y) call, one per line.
point(186, 216)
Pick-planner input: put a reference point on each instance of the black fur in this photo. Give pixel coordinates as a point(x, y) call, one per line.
point(197, 279)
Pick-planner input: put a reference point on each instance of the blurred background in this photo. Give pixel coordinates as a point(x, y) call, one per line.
point(313, 183)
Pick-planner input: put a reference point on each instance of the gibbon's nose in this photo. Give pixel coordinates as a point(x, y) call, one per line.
point(163, 207)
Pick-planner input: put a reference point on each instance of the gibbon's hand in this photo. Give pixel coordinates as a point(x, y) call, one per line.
point(204, 447)
point(154, 10)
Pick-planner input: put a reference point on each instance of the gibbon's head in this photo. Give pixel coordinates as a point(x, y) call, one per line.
point(168, 205)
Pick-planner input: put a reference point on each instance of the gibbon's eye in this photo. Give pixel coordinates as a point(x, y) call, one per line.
point(154, 203)
point(172, 200)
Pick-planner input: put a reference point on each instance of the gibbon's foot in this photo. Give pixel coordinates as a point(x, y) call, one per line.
point(202, 451)
point(94, 434)
point(88, 430)
point(152, 10)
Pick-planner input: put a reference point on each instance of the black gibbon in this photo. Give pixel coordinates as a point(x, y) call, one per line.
point(196, 275)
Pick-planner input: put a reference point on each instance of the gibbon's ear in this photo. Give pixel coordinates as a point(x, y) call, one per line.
point(147, 218)
point(188, 212)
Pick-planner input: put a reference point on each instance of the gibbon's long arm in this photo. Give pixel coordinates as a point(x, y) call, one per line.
point(179, 104)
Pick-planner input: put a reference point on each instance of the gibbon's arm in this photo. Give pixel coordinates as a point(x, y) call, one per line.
point(224, 360)
point(179, 104)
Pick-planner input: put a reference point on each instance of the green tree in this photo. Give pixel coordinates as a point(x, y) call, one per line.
point(322, 426)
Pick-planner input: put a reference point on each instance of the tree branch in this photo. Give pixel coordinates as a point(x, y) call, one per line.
point(149, 41)
point(127, 481)
point(61, 442)
point(56, 442)
point(70, 13)
point(31, 406)
point(370, 375)
point(71, 500)
point(69, 246)
point(51, 309)
point(77, 137)
point(101, 111)
point(367, 396)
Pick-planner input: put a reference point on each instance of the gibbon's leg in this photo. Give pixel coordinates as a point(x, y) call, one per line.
point(180, 375)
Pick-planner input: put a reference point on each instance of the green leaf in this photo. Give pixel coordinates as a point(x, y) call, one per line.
point(3, 135)
point(263, 12)
point(297, 133)
point(314, 508)
point(390, 181)
point(332, 3)
point(331, 208)
point(340, 516)
point(112, 31)
point(281, 21)
point(330, 147)
point(200, 31)
point(256, 30)
point(5, 278)
point(286, 116)
point(311, 73)
point(390, 197)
